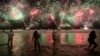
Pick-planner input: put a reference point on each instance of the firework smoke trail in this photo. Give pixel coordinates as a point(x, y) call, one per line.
point(24, 23)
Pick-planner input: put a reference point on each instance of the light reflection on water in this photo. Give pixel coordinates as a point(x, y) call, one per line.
point(23, 41)
point(46, 37)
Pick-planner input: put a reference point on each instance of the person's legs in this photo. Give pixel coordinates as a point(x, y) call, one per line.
point(11, 40)
point(35, 45)
point(90, 44)
point(8, 41)
point(54, 49)
point(95, 45)
point(39, 46)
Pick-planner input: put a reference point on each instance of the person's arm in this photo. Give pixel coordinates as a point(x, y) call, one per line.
point(95, 36)
point(5, 32)
point(39, 35)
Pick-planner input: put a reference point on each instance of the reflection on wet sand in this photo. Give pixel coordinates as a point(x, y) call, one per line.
point(71, 44)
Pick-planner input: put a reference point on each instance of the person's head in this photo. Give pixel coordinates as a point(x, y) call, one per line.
point(35, 32)
point(93, 31)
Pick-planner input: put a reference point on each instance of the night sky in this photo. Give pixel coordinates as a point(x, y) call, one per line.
point(4, 1)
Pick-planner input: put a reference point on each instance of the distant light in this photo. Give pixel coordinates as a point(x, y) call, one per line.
point(86, 28)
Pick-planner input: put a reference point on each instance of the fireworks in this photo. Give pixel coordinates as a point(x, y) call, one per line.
point(51, 16)
point(91, 11)
point(34, 12)
point(15, 13)
point(74, 16)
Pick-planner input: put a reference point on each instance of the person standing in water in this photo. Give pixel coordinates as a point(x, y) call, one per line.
point(91, 40)
point(10, 37)
point(36, 37)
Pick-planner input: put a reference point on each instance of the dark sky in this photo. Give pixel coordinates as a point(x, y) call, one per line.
point(4, 1)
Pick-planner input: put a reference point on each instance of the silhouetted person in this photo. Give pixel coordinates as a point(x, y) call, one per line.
point(91, 40)
point(10, 37)
point(36, 37)
point(54, 42)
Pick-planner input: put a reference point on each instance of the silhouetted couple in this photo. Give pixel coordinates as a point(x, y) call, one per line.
point(91, 40)
point(36, 37)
